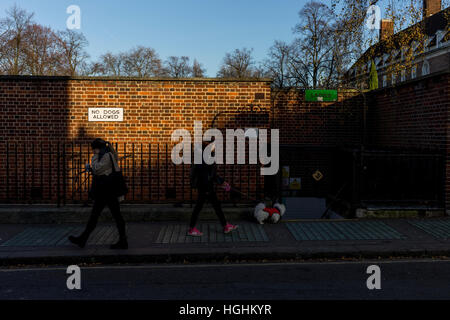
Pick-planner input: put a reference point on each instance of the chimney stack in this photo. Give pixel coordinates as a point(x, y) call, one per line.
point(386, 29)
point(431, 7)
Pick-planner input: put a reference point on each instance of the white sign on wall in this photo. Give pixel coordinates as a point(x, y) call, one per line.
point(105, 114)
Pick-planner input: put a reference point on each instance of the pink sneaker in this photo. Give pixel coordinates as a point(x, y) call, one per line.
point(194, 232)
point(229, 227)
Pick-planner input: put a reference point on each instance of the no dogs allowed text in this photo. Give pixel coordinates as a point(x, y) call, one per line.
point(105, 114)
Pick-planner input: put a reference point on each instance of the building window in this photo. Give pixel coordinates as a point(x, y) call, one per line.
point(414, 72)
point(385, 58)
point(415, 47)
point(393, 78)
point(377, 61)
point(396, 55)
point(430, 42)
point(403, 75)
point(439, 37)
point(384, 81)
point(425, 68)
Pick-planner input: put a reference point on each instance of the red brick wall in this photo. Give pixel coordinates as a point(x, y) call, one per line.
point(309, 132)
point(319, 124)
point(38, 112)
point(431, 7)
point(44, 109)
point(413, 115)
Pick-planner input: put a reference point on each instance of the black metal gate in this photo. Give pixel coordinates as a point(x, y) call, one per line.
point(396, 178)
point(351, 178)
point(55, 173)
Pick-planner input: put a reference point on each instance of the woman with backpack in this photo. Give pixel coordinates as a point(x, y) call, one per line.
point(203, 178)
point(104, 192)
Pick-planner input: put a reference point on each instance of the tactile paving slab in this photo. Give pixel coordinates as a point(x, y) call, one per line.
point(212, 233)
point(342, 230)
point(437, 228)
point(57, 236)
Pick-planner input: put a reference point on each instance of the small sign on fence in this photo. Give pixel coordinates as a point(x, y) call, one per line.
point(105, 114)
point(295, 183)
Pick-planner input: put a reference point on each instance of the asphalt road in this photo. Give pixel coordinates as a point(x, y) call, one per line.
point(412, 279)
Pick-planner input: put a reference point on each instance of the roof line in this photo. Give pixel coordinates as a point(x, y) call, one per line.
point(113, 78)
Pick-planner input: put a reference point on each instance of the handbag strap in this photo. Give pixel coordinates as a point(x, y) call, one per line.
point(112, 162)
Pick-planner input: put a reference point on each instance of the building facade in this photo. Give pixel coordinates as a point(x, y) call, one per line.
point(397, 62)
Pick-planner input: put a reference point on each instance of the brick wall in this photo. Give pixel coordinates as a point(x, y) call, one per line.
point(44, 109)
point(414, 115)
point(38, 112)
point(319, 124)
point(310, 132)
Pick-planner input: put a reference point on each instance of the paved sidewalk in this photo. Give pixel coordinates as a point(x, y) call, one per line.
point(167, 241)
point(77, 213)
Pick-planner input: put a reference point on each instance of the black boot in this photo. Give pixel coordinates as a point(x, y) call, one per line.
point(79, 241)
point(121, 244)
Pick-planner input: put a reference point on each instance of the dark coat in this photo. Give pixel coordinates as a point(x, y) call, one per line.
point(102, 184)
point(101, 187)
point(203, 176)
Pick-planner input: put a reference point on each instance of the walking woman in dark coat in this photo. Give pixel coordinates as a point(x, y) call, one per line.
point(203, 178)
point(103, 160)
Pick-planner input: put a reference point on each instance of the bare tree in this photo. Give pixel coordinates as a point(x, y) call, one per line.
point(238, 64)
point(351, 17)
point(197, 69)
point(12, 33)
point(95, 68)
point(313, 50)
point(71, 45)
point(299, 71)
point(339, 60)
point(29, 48)
point(277, 64)
point(142, 62)
point(178, 67)
point(41, 56)
point(109, 64)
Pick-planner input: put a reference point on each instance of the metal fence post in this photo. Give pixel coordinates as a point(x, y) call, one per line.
point(58, 177)
point(32, 173)
point(150, 171)
point(64, 173)
point(24, 172)
point(7, 170)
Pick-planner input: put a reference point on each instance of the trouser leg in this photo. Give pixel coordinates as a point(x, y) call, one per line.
point(114, 207)
point(93, 219)
point(217, 208)
point(198, 207)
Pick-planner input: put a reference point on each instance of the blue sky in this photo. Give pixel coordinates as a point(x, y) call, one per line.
point(202, 29)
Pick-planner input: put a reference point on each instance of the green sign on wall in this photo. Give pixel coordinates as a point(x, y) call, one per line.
point(321, 95)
